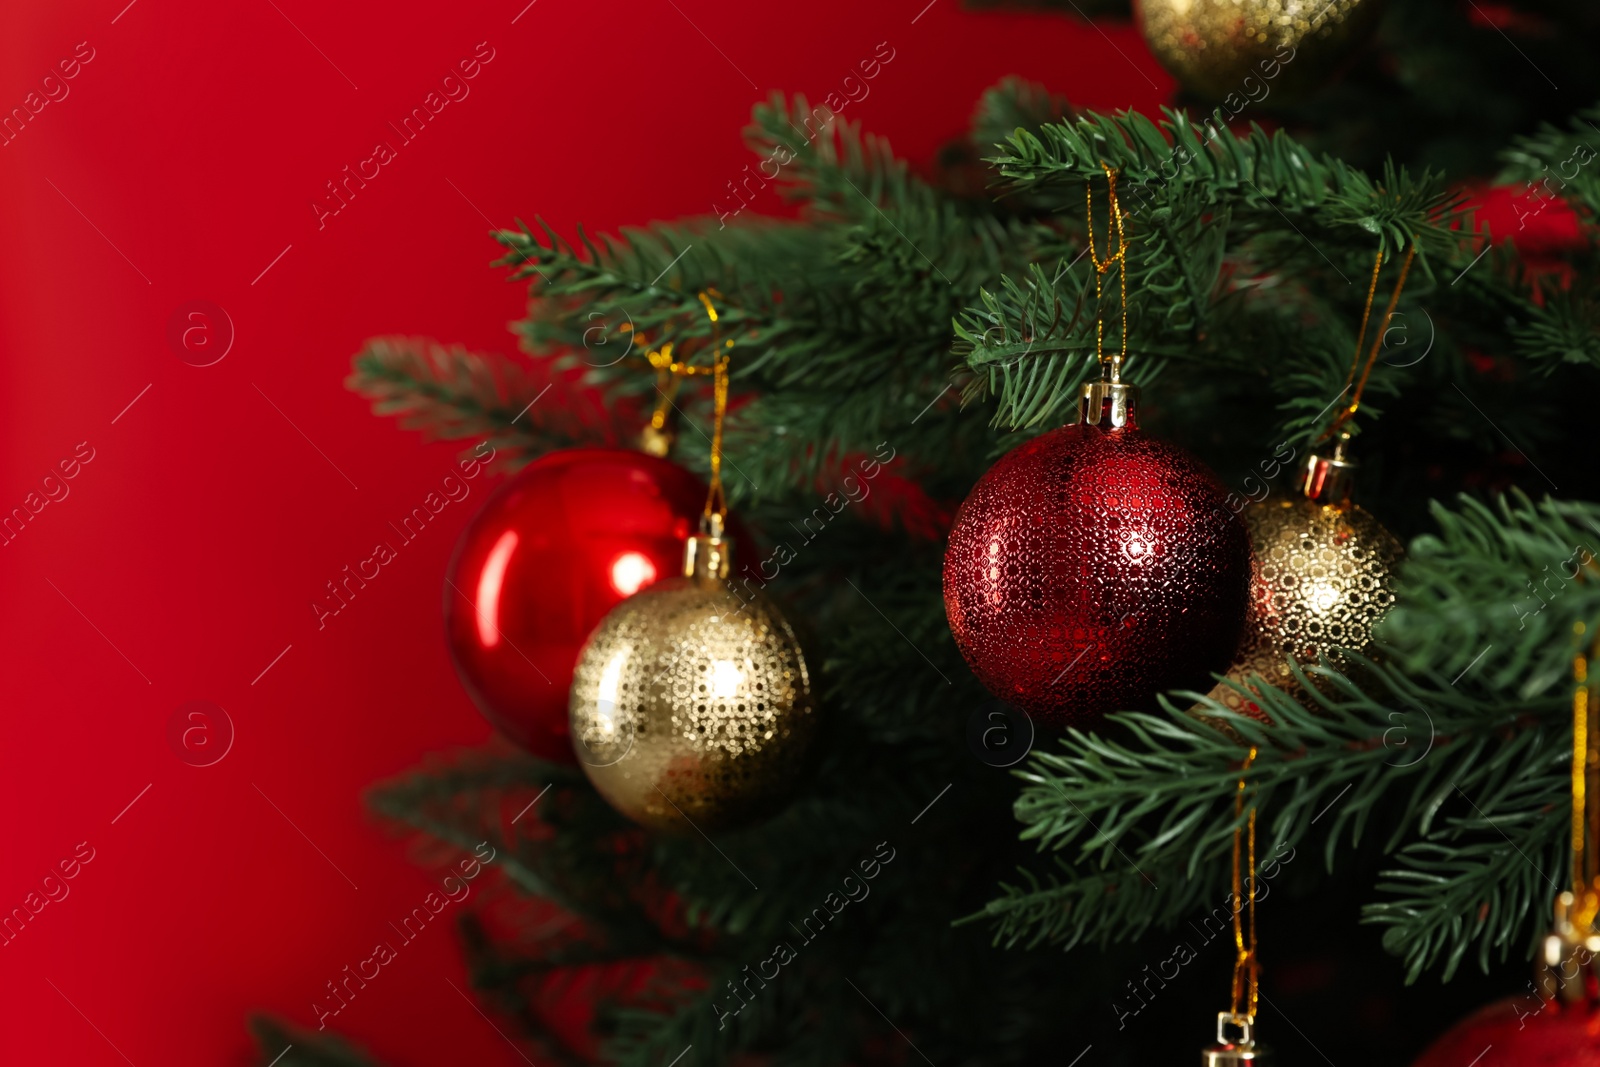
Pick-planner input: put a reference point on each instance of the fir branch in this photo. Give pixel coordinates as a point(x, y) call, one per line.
point(845, 314)
point(1033, 344)
point(464, 801)
point(1485, 879)
point(1558, 162)
point(1494, 596)
point(451, 394)
point(1013, 104)
point(839, 173)
point(1191, 198)
point(1266, 180)
point(501, 976)
point(1161, 803)
point(282, 1045)
point(1563, 327)
point(1066, 908)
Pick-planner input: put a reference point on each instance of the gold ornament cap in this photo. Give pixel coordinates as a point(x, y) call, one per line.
point(1109, 401)
point(657, 440)
point(1567, 959)
point(1328, 479)
point(708, 554)
point(1237, 1051)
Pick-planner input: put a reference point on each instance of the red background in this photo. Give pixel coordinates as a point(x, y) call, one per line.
point(182, 162)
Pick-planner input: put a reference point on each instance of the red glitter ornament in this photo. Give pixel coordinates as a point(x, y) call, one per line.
point(563, 542)
point(1523, 1031)
point(1094, 567)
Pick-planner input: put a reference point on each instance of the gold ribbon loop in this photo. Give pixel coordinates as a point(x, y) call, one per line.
point(1349, 411)
point(666, 365)
point(1118, 259)
point(1246, 969)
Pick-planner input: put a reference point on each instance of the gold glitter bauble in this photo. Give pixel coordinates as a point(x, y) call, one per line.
point(691, 707)
point(1321, 578)
point(1251, 52)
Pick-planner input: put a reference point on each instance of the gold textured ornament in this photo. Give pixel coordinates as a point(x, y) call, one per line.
point(1322, 575)
point(1322, 569)
point(1254, 51)
point(691, 708)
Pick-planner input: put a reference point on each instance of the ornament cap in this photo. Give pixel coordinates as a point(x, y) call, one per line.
point(1565, 969)
point(1107, 401)
point(657, 440)
point(1328, 479)
point(708, 554)
point(1237, 1049)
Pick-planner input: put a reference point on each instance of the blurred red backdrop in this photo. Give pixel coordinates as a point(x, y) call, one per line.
point(179, 163)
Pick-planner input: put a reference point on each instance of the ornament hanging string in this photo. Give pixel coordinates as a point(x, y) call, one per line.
point(716, 509)
point(1585, 801)
point(1360, 384)
point(1119, 259)
point(716, 500)
point(669, 375)
point(666, 382)
point(1246, 970)
point(667, 385)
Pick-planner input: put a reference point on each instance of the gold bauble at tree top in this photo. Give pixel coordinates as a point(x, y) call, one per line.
point(1322, 575)
point(691, 708)
point(1254, 52)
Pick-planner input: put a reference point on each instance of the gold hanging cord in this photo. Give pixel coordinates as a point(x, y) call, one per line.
point(662, 360)
point(1118, 259)
point(1585, 809)
point(1349, 411)
point(667, 386)
point(1246, 970)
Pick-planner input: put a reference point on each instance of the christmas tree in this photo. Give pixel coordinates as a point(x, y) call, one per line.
point(1309, 272)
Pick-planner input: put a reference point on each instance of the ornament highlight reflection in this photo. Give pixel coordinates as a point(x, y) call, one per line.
point(486, 607)
point(631, 572)
point(606, 702)
point(726, 678)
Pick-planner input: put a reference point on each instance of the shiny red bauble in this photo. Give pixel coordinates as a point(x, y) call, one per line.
point(561, 544)
point(1523, 1031)
point(1092, 568)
